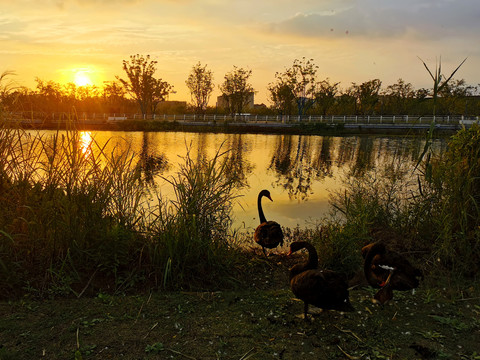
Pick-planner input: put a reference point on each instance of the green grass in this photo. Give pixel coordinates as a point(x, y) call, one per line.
point(258, 321)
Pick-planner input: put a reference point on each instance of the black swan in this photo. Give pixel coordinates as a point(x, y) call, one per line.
point(322, 288)
point(269, 233)
point(388, 270)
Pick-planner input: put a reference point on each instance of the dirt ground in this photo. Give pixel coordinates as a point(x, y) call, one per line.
point(259, 320)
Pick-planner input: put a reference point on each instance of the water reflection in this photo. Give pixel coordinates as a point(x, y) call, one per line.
point(85, 144)
point(323, 160)
point(345, 151)
point(300, 171)
point(364, 159)
point(152, 163)
point(298, 161)
point(201, 146)
point(238, 165)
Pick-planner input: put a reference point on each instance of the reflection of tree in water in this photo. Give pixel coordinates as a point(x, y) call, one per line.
point(300, 161)
point(201, 146)
point(298, 165)
point(362, 154)
point(365, 159)
point(412, 149)
point(357, 153)
point(151, 164)
point(237, 165)
point(345, 151)
point(281, 160)
point(322, 163)
point(397, 149)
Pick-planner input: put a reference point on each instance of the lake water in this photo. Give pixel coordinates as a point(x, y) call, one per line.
point(300, 171)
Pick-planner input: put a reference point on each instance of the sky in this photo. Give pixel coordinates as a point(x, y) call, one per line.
point(351, 41)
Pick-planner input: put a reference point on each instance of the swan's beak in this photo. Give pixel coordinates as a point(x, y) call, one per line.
point(269, 197)
point(289, 253)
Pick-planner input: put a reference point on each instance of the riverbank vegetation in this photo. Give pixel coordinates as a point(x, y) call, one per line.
point(77, 219)
point(75, 215)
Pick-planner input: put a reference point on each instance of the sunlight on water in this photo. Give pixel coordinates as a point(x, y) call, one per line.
point(86, 142)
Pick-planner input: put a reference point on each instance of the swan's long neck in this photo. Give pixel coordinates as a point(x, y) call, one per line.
point(374, 250)
point(310, 264)
point(312, 261)
point(260, 210)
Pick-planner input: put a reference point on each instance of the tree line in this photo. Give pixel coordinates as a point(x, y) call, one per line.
point(297, 90)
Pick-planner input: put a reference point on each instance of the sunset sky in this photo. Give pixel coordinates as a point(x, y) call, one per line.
point(350, 40)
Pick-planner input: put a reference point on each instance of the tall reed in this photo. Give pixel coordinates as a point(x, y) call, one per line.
point(75, 215)
point(69, 211)
point(191, 241)
point(455, 182)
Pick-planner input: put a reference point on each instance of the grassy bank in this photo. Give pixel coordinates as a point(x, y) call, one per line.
point(259, 321)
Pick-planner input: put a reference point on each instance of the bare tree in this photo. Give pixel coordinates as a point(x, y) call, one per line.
point(236, 89)
point(141, 84)
point(200, 84)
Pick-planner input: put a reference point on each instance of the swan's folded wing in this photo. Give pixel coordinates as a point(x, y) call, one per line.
point(269, 234)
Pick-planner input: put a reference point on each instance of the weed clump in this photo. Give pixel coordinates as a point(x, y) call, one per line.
point(69, 211)
point(75, 217)
point(190, 240)
point(432, 212)
point(455, 183)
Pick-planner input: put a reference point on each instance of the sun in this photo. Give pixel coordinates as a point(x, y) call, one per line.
point(82, 78)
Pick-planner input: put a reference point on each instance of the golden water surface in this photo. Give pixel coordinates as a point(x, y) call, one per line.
point(300, 171)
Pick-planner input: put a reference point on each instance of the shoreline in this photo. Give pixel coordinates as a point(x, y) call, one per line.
point(320, 129)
